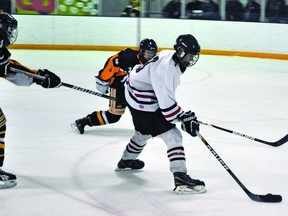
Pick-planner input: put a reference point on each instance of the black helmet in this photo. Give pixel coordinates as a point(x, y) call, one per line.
point(147, 44)
point(187, 44)
point(8, 29)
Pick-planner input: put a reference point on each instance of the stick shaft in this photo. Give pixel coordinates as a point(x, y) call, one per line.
point(27, 73)
point(252, 196)
point(65, 84)
point(274, 144)
point(221, 162)
point(87, 91)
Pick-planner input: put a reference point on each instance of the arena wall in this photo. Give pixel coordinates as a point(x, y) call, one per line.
point(266, 40)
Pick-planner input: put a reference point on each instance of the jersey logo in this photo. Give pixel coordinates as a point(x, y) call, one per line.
point(129, 69)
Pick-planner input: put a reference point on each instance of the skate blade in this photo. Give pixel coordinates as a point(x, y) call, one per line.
point(74, 127)
point(8, 184)
point(127, 170)
point(185, 190)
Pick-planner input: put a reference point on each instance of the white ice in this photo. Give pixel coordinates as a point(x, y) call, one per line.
point(66, 174)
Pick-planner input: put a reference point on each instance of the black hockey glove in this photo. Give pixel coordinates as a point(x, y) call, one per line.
point(189, 123)
point(51, 81)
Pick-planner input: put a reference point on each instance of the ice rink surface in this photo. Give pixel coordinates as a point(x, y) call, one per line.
point(66, 174)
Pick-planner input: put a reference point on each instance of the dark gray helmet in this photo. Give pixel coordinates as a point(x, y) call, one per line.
point(187, 44)
point(147, 44)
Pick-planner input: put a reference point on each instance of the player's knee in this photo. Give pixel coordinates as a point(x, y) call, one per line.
point(172, 138)
point(112, 118)
point(140, 139)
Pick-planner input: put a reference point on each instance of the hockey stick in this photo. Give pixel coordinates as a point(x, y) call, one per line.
point(27, 73)
point(65, 84)
point(274, 144)
point(87, 91)
point(91, 92)
point(271, 198)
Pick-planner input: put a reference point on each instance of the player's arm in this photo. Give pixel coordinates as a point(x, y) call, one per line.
point(106, 75)
point(174, 113)
point(165, 93)
point(164, 85)
point(15, 76)
point(111, 67)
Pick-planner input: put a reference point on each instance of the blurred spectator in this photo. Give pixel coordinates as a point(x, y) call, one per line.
point(286, 13)
point(172, 9)
point(194, 9)
point(234, 10)
point(211, 10)
point(5, 5)
point(275, 11)
point(132, 10)
point(252, 11)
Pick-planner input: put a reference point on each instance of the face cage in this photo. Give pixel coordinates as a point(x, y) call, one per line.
point(142, 55)
point(194, 60)
point(145, 54)
point(12, 34)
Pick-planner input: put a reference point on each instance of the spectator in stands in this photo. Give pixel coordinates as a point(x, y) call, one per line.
point(234, 10)
point(286, 13)
point(132, 10)
point(211, 10)
point(172, 9)
point(194, 9)
point(5, 6)
point(252, 11)
point(275, 11)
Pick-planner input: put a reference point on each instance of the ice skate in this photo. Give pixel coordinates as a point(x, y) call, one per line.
point(184, 184)
point(78, 125)
point(7, 180)
point(129, 165)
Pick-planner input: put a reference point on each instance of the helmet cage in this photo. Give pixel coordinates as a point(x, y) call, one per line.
point(8, 29)
point(187, 44)
point(147, 44)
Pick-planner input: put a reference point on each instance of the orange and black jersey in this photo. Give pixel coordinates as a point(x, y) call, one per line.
point(118, 65)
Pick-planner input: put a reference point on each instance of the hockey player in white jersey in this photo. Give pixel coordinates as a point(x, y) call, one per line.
point(150, 94)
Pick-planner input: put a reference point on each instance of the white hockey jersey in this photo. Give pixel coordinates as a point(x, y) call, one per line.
point(153, 85)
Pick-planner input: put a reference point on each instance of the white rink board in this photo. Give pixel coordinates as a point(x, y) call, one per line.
point(121, 31)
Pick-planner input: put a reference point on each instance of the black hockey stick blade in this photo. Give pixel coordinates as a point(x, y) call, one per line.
point(268, 198)
point(274, 144)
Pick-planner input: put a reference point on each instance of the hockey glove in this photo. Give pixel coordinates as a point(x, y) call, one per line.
point(189, 123)
point(102, 86)
point(51, 79)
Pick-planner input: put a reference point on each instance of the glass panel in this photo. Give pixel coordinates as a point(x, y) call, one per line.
point(274, 11)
